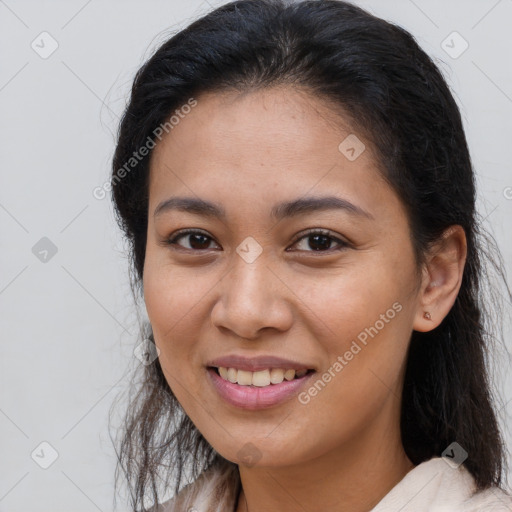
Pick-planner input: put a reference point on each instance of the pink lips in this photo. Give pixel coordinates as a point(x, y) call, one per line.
point(253, 397)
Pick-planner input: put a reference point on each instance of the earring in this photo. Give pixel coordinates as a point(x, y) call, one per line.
point(427, 315)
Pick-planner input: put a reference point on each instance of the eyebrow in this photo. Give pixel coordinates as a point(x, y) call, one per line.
point(301, 206)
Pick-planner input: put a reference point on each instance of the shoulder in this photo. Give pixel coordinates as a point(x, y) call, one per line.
point(436, 486)
point(493, 499)
point(216, 489)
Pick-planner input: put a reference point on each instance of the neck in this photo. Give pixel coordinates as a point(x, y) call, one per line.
point(351, 478)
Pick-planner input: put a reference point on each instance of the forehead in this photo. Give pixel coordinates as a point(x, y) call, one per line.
point(263, 146)
point(277, 125)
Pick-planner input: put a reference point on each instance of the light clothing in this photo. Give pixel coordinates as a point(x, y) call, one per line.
point(432, 486)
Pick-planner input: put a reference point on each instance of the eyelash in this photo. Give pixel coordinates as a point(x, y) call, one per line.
point(312, 231)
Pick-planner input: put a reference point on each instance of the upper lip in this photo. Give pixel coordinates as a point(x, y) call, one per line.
point(254, 364)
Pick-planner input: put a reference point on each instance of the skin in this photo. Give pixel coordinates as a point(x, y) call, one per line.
point(342, 450)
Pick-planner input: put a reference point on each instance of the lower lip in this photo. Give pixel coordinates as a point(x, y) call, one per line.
point(254, 397)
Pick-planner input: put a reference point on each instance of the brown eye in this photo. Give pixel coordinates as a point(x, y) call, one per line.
point(320, 241)
point(197, 240)
point(312, 241)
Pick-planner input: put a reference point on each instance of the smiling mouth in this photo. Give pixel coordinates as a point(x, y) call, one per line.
point(262, 378)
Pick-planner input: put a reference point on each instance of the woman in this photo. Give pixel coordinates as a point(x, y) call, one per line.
point(296, 186)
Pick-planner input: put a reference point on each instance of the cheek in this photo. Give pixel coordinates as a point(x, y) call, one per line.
point(362, 320)
point(171, 292)
point(174, 307)
point(175, 301)
point(344, 304)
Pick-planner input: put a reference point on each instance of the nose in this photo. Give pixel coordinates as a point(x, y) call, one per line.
point(252, 298)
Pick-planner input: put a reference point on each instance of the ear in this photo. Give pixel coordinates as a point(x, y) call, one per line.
point(442, 277)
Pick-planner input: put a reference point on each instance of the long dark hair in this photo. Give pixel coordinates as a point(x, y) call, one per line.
point(392, 92)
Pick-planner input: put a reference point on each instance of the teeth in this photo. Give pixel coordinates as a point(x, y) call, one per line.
point(232, 374)
point(244, 378)
point(289, 374)
point(260, 378)
point(276, 376)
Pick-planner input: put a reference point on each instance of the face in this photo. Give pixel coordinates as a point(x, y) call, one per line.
point(323, 287)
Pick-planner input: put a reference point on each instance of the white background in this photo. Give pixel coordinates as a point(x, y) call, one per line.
point(68, 325)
